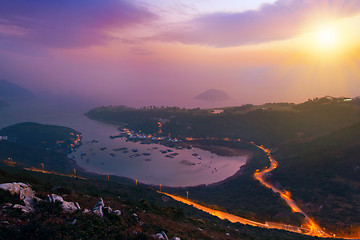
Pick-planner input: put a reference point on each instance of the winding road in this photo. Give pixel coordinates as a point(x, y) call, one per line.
point(309, 227)
point(314, 229)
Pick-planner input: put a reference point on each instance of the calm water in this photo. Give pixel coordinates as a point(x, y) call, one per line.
point(184, 169)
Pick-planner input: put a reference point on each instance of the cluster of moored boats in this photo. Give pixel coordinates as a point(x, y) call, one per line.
point(132, 136)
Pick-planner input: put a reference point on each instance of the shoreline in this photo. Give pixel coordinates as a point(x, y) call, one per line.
point(223, 151)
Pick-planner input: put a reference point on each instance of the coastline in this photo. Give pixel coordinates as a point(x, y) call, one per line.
point(223, 151)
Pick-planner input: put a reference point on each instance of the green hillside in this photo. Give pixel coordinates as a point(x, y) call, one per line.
point(269, 124)
point(155, 213)
point(324, 174)
point(42, 136)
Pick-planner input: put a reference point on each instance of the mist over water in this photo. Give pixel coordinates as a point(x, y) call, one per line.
point(184, 169)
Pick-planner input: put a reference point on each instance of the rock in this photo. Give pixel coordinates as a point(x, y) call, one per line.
point(26, 194)
point(107, 209)
point(227, 234)
point(176, 238)
point(164, 235)
point(28, 197)
point(54, 198)
point(135, 217)
point(159, 236)
point(118, 212)
point(98, 211)
point(143, 225)
point(98, 208)
point(7, 205)
point(25, 209)
point(29, 202)
point(99, 203)
point(11, 187)
point(66, 206)
point(86, 211)
point(70, 206)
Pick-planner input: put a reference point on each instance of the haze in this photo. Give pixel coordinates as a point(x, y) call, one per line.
point(166, 52)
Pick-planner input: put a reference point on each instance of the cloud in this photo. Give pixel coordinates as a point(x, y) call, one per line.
point(67, 23)
point(280, 20)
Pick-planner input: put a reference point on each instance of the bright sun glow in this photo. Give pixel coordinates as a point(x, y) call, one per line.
point(327, 42)
point(327, 37)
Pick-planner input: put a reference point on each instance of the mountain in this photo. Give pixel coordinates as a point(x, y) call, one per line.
point(10, 92)
point(213, 95)
point(324, 175)
point(270, 124)
point(142, 212)
point(42, 136)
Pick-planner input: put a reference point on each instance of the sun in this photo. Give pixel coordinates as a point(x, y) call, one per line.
point(328, 42)
point(327, 38)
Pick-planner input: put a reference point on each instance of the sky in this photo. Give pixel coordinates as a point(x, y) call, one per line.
point(161, 52)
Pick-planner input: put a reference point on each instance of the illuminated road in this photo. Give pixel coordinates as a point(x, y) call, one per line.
point(309, 227)
point(217, 213)
point(314, 229)
point(54, 173)
point(236, 219)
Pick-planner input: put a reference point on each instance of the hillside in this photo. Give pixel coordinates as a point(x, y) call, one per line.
point(32, 144)
point(269, 124)
point(42, 136)
point(10, 92)
point(241, 194)
point(324, 174)
point(144, 213)
point(256, 201)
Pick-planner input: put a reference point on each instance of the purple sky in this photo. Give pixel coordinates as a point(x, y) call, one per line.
point(166, 52)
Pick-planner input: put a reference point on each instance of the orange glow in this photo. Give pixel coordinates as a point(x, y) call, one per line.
point(55, 173)
point(10, 163)
point(315, 230)
point(236, 219)
point(311, 228)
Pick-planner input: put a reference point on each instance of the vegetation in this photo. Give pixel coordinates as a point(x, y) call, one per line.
point(269, 124)
point(323, 174)
point(155, 213)
point(316, 144)
point(41, 136)
point(242, 194)
point(32, 144)
point(28, 156)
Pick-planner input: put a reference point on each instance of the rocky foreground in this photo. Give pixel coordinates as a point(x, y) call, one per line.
point(31, 205)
